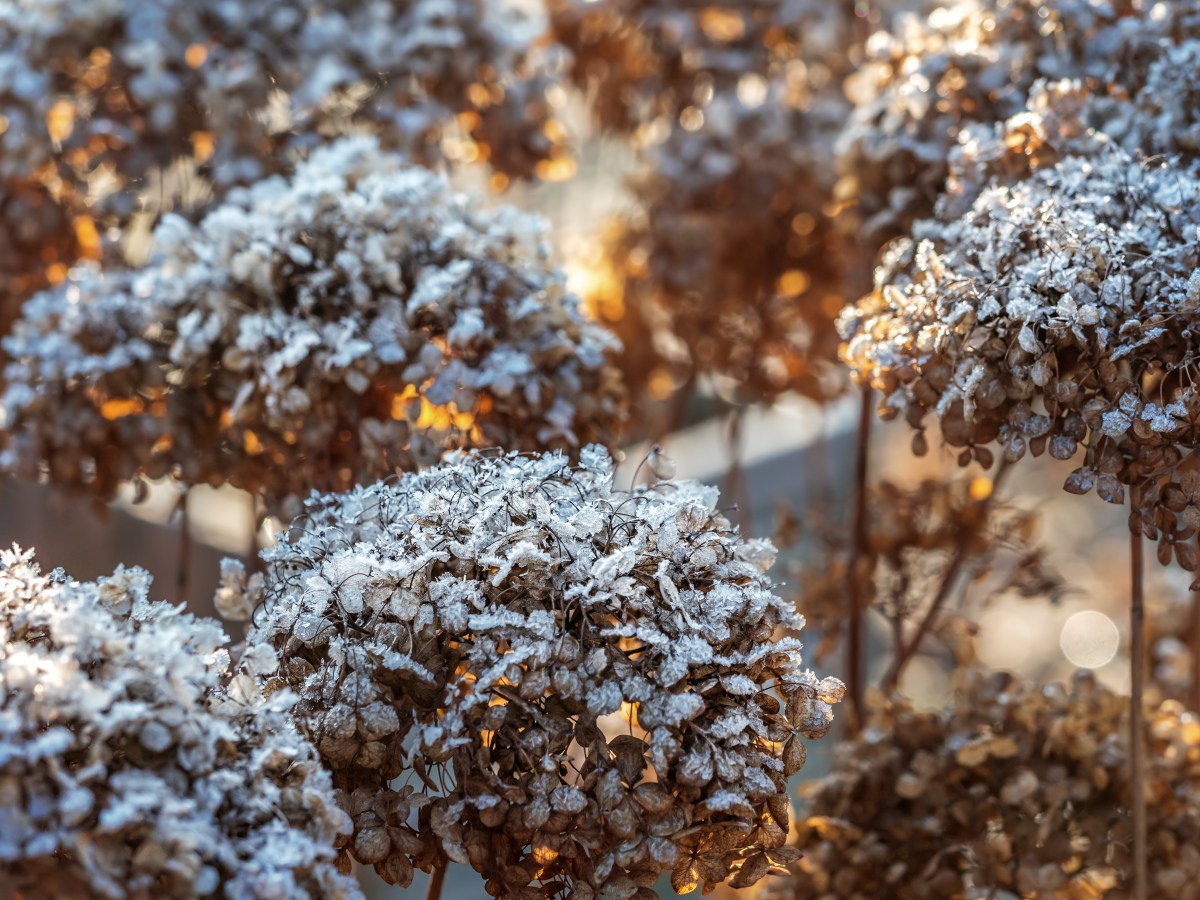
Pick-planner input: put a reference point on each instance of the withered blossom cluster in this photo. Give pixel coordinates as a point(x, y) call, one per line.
point(309, 333)
point(1055, 314)
point(1014, 789)
point(508, 662)
point(928, 543)
point(731, 267)
point(98, 95)
point(135, 764)
point(927, 78)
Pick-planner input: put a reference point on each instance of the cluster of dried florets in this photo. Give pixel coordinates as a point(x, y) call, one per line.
point(922, 543)
point(582, 687)
point(733, 109)
point(1056, 314)
point(131, 765)
point(97, 95)
point(309, 334)
point(930, 77)
point(1014, 789)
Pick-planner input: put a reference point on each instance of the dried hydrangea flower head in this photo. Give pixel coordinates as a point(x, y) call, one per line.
point(581, 687)
point(98, 95)
point(310, 334)
point(732, 109)
point(975, 62)
point(133, 765)
point(1056, 314)
point(1014, 789)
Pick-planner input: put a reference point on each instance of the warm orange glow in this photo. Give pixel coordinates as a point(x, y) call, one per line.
point(60, 120)
point(722, 25)
point(602, 292)
point(120, 407)
point(661, 384)
point(251, 444)
point(560, 167)
point(56, 273)
point(793, 283)
point(195, 55)
point(87, 236)
point(981, 488)
point(202, 146)
point(543, 855)
point(438, 418)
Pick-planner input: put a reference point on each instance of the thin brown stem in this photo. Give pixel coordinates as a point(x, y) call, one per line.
point(436, 877)
point(856, 636)
point(735, 476)
point(183, 571)
point(676, 411)
point(962, 553)
point(1137, 745)
point(1194, 646)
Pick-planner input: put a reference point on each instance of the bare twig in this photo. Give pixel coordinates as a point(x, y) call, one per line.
point(1194, 645)
point(184, 562)
point(962, 552)
point(856, 636)
point(436, 877)
point(1137, 744)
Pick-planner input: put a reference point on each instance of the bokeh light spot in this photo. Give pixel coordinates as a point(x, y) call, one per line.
point(1089, 639)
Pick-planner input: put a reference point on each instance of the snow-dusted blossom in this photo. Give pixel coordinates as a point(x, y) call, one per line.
point(1058, 314)
point(98, 94)
point(1014, 789)
point(133, 764)
point(508, 662)
point(975, 61)
point(310, 334)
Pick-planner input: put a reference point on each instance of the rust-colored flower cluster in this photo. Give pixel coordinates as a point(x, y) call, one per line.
point(508, 662)
point(309, 334)
point(1014, 789)
point(732, 265)
point(99, 95)
point(134, 764)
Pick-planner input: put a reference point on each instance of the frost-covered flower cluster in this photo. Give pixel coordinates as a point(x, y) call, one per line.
point(508, 662)
point(1014, 789)
point(732, 262)
point(309, 334)
point(1056, 314)
point(97, 94)
point(132, 764)
point(975, 61)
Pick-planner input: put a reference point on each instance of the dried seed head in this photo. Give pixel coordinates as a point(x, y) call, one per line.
point(580, 686)
point(231, 92)
point(927, 79)
point(732, 268)
point(132, 763)
point(1057, 314)
point(310, 334)
point(1015, 789)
